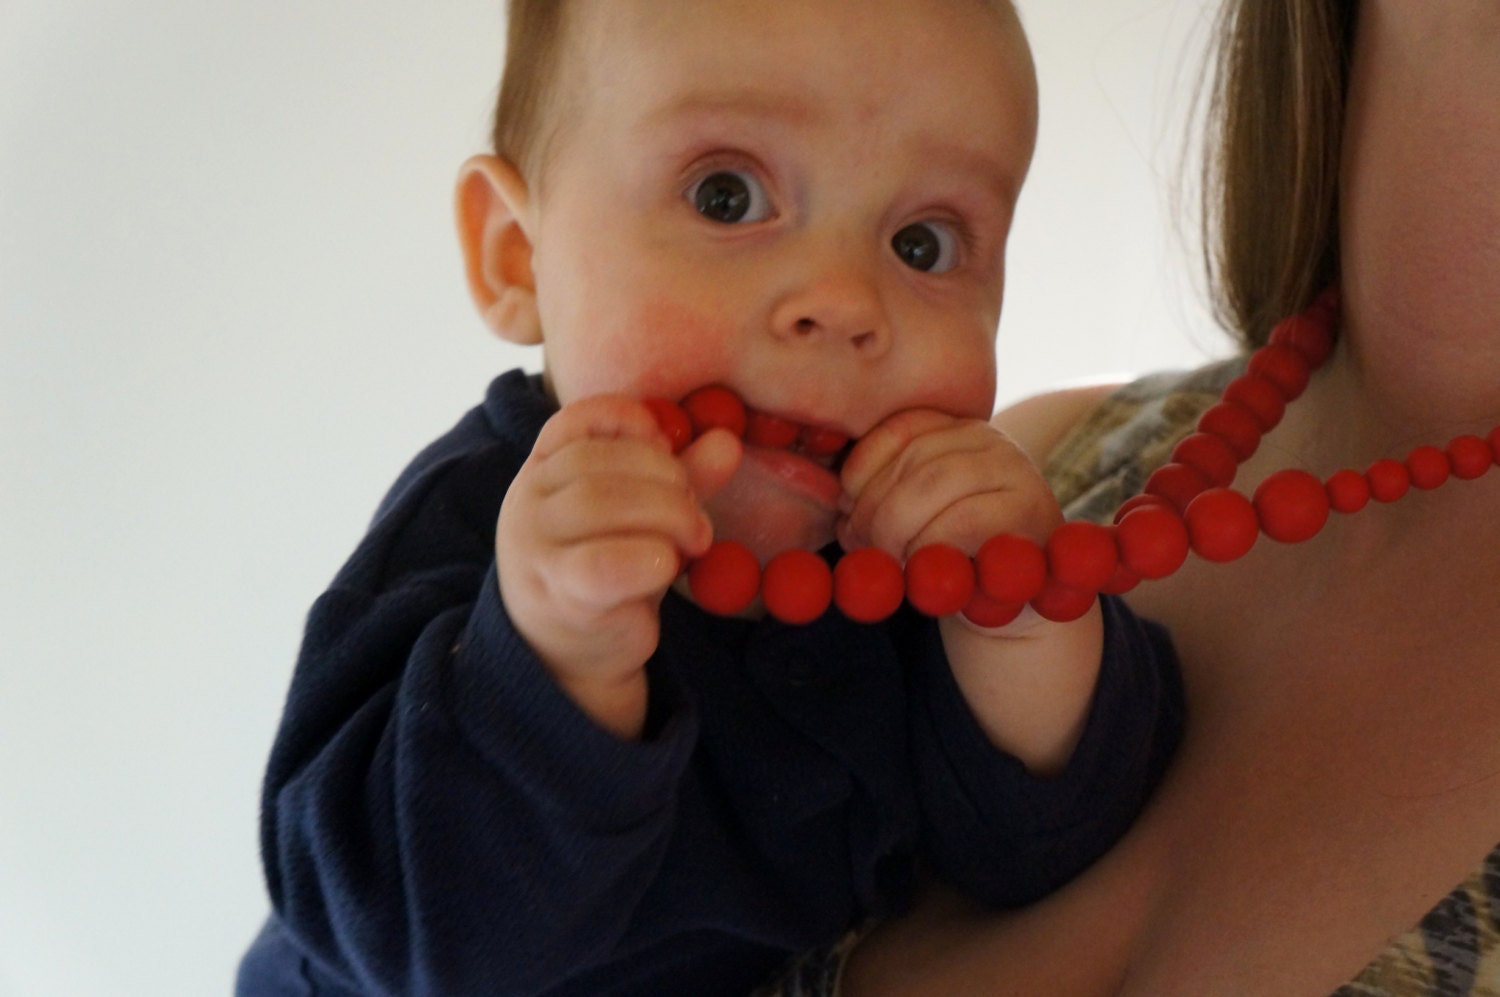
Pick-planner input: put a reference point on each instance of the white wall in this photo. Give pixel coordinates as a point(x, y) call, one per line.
point(230, 309)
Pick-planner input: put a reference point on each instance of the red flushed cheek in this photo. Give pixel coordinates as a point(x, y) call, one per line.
point(673, 349)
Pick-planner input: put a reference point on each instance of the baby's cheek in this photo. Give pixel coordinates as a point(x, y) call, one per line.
point(673, 348)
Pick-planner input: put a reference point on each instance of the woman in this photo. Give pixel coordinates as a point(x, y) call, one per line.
point(1341, 771)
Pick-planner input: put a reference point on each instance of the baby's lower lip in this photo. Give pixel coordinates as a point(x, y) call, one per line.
point(797, 474)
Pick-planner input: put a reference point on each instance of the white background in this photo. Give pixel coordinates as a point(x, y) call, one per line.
point(231, 309)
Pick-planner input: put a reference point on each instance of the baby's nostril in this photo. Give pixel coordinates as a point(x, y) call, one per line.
point(805, 326)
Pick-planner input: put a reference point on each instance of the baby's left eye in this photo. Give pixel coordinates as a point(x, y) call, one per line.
point(931, 247)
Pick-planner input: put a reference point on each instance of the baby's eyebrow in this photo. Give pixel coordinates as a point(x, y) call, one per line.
point(787, 107)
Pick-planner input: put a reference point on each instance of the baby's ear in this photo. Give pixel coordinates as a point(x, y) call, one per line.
point(491, 203)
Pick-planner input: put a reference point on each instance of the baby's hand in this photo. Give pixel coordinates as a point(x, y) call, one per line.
point(592, 532)
point(923, 477)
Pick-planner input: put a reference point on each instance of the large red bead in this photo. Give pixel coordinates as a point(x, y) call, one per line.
point(1221, 525)
point(1122, 581)
point(868, 585)
point(1153, 541)
point(1142, 501)
point(1082, 555)
point(769, 431)
point(1258, 395)
point(939, 579)
point(1179, 484)
point(1470, 457)
point(1235, 424)
point(1428, 467)
point(982, 611)
point(1283, 367)
point(725, 579)
point(1010, 568)
point(672, 421)
point(1209, 455)
point(820, 441)
point(1292, 506)
point(1348, 491)
point(1309, 333)
point(715, 407)
point(1061, 604)
point(1389, 480)
point(797, 586)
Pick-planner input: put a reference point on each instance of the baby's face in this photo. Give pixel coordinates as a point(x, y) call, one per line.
point(805, 200)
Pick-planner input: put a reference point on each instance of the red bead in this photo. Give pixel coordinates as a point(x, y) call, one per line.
point(1010, 568)
point(1062, 604)
point(1142, 501)
point(1470, 457)
point(1428, 467)
point(1179, 484)
point(1494, 442)
point(769, 431)
point(725, 579)
point(715, 407)
point(1209, 455)
point(1122, 581)
point(1153, 541)
point(819, 441)
point(1283, 367)
point(1221, 525)
point(797, 586)
point(1309, 333)
point(672, 421)
point(982, 611)
point(1292, 506)
point(1389, 480)
point(1081, 555)
point(1348, 491)
point(1235, 424)
point(939, 579)
point(868, 585)
point(1262, 398)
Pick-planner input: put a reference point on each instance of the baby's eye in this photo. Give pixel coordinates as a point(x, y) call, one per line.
point(730, 198)
point(931, 247)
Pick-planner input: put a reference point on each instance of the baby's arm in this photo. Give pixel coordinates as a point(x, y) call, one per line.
point(591, 534)
point(924, 477)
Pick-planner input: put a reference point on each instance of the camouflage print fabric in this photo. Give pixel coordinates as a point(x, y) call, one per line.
point(1455, 950)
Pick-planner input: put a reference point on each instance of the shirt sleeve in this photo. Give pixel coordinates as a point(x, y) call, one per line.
point(438, 817)
point(1009, 837)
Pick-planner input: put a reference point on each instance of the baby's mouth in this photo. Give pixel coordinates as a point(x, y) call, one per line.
point(823, 445)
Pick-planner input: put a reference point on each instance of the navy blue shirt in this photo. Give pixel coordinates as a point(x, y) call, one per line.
point(439, 818)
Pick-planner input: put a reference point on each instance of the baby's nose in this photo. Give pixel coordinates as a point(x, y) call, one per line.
point(837, 303)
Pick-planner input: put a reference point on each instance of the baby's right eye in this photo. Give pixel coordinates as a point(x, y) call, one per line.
point(730, 197)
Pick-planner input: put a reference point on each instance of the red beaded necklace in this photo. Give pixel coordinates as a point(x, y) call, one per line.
point(1186, 504)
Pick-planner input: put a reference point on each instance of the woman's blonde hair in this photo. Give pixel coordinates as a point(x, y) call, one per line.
point(1271, 173)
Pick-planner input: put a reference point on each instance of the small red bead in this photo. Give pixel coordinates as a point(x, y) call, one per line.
point(1470, 457)
point(1142, 501)
point(1292, 506)
point(1010, 568)
point(1428, 467)
point(1283, 367)
point(817, 441)
point(797, 586)
point(1082, 555)
point(1309, 333)
point(769, 431)
point(1222, 525)
point(1153, 541)
point(868, 585)
point(1235, 424)
point(672, 421)
point(725, 579)
point(1062, 604)
point(939, 579)
point(1348, 491)
point(715, 407)
point(1121, 581)
point(982, 611)
point(1262, 398)
point(1209, 455)
point(1389, 480)
point(1179, 484)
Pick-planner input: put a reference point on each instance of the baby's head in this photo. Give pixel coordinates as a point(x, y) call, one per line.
point(805, 200)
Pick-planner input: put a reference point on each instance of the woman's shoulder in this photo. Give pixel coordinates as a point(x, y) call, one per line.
point(1098, 443)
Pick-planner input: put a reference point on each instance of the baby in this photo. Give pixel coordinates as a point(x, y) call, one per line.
point(516, 757)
